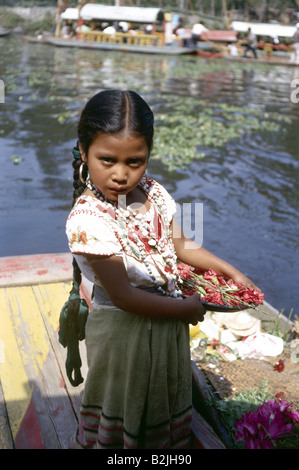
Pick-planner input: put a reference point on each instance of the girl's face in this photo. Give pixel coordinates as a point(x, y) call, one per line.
point(116, 163)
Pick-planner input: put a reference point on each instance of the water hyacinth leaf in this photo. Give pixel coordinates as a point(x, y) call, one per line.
point(188, 127)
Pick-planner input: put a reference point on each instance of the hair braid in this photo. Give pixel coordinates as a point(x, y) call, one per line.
point(78, 190)
point(77, 184)
point(74, 313)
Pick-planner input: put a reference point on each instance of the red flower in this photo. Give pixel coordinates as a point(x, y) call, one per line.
point(210, 275)
point(184, 270)
point(214, 342)
point(279, 395)
point(279, 366)
point(188, 292)
point(214, 298)
point(215, 289)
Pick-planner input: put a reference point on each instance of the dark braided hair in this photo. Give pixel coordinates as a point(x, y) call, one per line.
point(108, 112)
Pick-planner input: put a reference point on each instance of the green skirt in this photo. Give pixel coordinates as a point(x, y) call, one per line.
point(138, 391)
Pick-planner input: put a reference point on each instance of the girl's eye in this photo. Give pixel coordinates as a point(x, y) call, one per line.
point(135, 162)
point(106, 160)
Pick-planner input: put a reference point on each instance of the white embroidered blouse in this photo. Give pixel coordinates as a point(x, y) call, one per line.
point(92, 228)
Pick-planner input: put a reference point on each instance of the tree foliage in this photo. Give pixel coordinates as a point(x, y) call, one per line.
point(259, 10)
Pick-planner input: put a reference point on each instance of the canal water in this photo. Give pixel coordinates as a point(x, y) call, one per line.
point(227, 137)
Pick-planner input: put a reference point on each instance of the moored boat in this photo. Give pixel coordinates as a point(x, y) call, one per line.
point(274, 43)
point(113, 28)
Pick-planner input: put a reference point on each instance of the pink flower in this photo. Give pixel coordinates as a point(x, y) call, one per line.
point(260, 429)
point(214, 298)
point(184, 270)
point(214, 342)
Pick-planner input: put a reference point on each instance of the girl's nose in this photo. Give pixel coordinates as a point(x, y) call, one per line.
point(120, 175)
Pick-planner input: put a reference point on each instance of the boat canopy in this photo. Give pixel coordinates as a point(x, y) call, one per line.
point(92, 11)
point(264, 29)
point(71, 14)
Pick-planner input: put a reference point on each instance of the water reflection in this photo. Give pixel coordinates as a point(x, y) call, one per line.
point(249, 186)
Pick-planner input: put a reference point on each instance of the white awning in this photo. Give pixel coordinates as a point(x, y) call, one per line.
point(92, 11)
point(264, 29)
point(70, 14)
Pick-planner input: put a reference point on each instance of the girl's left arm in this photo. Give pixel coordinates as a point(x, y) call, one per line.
point(191, 253)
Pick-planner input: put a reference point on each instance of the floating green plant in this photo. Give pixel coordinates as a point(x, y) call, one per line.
point(188, 126)
point(16, 160)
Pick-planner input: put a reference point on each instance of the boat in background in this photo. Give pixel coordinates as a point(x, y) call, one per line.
point(274, 45)
point(126, 29)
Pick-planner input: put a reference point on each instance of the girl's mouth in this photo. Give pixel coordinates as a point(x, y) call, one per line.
point(118, 190)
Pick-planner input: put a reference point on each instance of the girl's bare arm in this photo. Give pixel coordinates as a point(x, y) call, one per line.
point(113, 277)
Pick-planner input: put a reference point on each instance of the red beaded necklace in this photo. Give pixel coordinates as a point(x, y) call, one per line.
point(138, 238)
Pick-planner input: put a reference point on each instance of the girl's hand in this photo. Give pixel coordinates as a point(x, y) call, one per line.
point(193, 309)
point(245, 281)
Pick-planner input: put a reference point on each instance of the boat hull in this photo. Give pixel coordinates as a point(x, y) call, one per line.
point(110, 46)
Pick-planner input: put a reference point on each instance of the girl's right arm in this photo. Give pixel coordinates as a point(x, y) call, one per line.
point(111, 273)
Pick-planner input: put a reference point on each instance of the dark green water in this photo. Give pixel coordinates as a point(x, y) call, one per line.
point(248, 184)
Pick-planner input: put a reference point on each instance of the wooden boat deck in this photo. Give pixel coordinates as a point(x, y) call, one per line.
point(38, 406)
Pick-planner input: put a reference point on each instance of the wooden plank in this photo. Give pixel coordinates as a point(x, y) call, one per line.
point(201, 394)
point(204, 436)
point(6, 440)
point(51, 298)
point(46, 415)
point(35, 269)
point(51, 399)
point(15, 387)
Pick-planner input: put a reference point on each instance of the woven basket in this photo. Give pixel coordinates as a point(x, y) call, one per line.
point(229, 378)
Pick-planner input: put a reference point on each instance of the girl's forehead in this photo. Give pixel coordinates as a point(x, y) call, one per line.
point(120, 139)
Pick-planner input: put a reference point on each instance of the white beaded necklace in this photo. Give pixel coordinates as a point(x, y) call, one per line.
point(134, 221)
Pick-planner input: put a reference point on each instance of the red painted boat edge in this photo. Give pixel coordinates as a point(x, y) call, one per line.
point(35, 269)
point(29, 434)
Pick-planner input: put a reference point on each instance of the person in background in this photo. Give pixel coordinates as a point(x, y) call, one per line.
point(251, 43)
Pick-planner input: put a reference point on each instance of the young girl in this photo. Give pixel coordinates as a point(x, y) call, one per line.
point(120, 231)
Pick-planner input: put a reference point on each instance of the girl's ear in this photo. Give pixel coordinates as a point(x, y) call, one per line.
point(83, 157)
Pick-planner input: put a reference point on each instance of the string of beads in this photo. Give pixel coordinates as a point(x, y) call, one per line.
point(132, 222)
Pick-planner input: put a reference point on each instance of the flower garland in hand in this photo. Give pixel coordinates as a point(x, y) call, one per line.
point(213, 288)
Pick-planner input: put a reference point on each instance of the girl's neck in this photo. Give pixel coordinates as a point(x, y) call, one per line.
point(139, 199)
point(136, 200)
